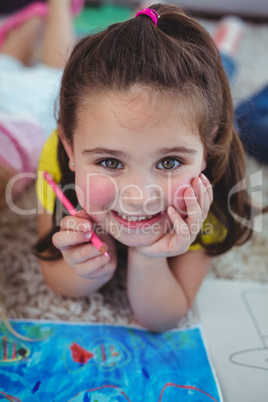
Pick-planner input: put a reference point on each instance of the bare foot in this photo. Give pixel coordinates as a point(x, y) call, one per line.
point(19, 42)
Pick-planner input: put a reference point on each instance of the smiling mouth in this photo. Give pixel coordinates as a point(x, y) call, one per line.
point(135, 218)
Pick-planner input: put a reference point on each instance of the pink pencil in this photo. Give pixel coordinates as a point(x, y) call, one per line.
point(95, 240)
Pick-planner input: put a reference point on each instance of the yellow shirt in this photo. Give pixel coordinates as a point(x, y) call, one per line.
point(212, 230)
point(48, 162)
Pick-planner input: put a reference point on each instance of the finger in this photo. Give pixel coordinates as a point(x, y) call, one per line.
point(202, 196)
point(83, 214)
point(208, 186)
point(66, 239)
point(207, 197)
point(175, 218)
point(83, 253)
point(199, 190)
point(194, 218)
point(73, 223)
point(94, 268)
point(181, 228)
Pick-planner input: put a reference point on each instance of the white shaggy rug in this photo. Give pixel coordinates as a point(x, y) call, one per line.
point(22, 289)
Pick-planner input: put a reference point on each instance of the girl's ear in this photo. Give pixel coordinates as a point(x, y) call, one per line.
point(67, 146)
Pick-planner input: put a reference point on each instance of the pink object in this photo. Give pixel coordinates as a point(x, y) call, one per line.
point(95, 240)
point(77, 6)
point(37, 9)
point(21, 144)
point(228, 34)
point(150, 13)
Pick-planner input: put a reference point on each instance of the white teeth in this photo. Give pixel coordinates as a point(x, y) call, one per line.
point(130, 218)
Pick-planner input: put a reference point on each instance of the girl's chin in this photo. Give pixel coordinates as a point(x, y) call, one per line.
point(138, 240)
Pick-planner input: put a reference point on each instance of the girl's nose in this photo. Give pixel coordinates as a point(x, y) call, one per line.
point(141, 196)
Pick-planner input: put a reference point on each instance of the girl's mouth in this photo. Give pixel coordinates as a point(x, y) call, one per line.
point(136, 221)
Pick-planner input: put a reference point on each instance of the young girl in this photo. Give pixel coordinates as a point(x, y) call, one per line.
point(145, 131)
point(29, 87)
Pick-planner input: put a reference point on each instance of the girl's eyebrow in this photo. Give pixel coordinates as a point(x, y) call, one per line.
point(101, 151)
point(121, 154)
point(180, 150)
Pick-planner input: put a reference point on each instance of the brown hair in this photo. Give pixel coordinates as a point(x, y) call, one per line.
point(177, 57)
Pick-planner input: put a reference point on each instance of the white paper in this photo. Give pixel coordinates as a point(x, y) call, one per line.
point(235, 319)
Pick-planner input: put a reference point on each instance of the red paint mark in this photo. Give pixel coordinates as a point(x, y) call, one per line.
point(113, 351)
point(103, 353)
point(79, 354)
point(170, 384)
point(5, 347)
point(10, 397)
point(14, 351)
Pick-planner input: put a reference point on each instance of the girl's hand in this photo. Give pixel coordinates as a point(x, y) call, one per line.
point(73, 240)
point(198, 199)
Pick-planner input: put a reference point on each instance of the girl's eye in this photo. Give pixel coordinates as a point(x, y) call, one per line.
point(111, 164)
point(168, 164)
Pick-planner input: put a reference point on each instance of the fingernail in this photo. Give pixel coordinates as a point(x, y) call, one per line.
point(88, 235)
point(203, 177)
point(199, 182)
point(171, 210)
point(190, 192)
point(86, 226)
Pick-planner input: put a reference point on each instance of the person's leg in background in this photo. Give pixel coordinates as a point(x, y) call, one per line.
point(19, 42)
point(252, 122)
point(21, 130)
point(58, 36)
point(16, 48)
point(251, 115)
point(227, 36)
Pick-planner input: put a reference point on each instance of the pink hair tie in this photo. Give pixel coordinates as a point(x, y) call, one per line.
point(150, 13)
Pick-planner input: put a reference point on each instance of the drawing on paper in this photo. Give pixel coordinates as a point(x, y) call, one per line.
point(257, 356)
point(83, 362)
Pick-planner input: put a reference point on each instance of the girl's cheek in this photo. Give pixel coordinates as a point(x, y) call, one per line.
point(177, 198)
point(99, 193)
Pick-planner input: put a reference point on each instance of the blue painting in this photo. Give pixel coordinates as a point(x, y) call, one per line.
point(104, 363)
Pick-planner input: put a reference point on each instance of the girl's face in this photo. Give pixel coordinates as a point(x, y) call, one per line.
point(134, 155)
